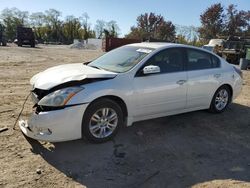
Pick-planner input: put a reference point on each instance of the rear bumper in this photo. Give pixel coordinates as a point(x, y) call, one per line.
point(237, 88)
point(55, 126)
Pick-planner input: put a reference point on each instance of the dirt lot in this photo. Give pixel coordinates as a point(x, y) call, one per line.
point(195, 149)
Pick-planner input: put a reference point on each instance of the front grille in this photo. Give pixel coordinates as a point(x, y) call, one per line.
point(36, 96)
point(39, 93)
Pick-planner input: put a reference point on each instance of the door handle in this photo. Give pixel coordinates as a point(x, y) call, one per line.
point(181, 82)
point(217, 75)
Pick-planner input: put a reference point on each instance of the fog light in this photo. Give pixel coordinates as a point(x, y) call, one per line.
point(44, 132)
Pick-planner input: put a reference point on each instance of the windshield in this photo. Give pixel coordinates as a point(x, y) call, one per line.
point(121, 59)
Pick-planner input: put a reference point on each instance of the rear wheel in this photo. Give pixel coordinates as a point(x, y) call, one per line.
point(221, 99)
point(20, 44)
point(4, 43)
point(32, 44)
point(102, 120)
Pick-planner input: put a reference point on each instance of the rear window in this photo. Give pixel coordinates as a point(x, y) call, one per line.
point(198, 60)
point(215, 61)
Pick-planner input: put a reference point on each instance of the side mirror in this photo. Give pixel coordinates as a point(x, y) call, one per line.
point(151, 69)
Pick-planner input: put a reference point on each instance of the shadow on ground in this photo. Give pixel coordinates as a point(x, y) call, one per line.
point(28, 46)
point(176, 151)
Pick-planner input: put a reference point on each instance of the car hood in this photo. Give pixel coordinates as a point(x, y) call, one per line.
point(65, 73)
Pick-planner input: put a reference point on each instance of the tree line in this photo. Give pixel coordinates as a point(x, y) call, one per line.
point(48, 25)
point(216, 21)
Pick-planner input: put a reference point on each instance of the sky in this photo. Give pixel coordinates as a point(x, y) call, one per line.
point(125, 12)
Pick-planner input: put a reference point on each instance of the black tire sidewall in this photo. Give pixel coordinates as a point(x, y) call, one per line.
point(32, 44)
point(213, 106)
point(91, 109)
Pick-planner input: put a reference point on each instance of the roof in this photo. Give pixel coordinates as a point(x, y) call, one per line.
point(154, 45)
point(158, 45)
point(214, 42)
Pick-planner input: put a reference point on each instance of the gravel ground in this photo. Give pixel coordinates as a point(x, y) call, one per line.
point(195, 149)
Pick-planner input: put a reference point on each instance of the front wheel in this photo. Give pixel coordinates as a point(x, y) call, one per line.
point(102, 120)
point(221, 99)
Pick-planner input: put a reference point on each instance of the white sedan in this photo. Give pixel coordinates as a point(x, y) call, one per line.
point(131, 83)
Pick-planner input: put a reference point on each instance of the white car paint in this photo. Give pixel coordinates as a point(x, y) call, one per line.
point(145, 97)
point(65, 73)
point(161, 93)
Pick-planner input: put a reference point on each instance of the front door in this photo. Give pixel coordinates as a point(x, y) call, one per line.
point(165, 91)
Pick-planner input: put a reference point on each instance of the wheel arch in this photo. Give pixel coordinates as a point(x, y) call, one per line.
point(229, 87)
point(116, 99)
point(213, 109)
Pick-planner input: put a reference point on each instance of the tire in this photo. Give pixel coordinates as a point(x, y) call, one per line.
point(20, 44)
point(221, 99)
point(96, 123)
point(32, 44)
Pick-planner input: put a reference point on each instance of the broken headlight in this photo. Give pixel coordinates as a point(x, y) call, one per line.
point(59, 97)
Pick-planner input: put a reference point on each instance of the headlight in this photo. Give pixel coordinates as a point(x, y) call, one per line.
point(59, 97)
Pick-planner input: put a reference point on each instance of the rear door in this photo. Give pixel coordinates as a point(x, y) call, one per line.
point(204, 77)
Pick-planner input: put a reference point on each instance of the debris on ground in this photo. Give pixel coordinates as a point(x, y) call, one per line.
point(38, 171)
point(5, 111)
point(82, 45)
point(4, 129)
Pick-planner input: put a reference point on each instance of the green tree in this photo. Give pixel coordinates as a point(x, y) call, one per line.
point(37, 21)
point(181, 39)
point(72, 29)
point(12, 18)
point(53, 24)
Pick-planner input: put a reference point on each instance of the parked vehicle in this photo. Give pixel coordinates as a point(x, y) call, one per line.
point(213, 45)
point(131, 83)
point(25, 36)
point(209, 48)
point(110, 43)
point(3, 41)
point(234, 48)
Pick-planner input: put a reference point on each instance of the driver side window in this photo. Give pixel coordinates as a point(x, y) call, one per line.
point(169, 60)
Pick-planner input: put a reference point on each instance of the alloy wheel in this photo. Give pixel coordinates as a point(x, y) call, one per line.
point(221, 99)
point(103, 122)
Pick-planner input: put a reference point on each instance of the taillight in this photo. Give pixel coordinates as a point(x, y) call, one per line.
point(238, 71)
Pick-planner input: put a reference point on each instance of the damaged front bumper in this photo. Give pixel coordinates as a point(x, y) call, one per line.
point(55, 126)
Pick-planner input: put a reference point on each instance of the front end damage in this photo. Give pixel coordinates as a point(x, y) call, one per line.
point(60, 120)
point(52, 124)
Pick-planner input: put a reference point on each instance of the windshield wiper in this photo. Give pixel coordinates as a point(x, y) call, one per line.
point(94, 67)
point(103, 68)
